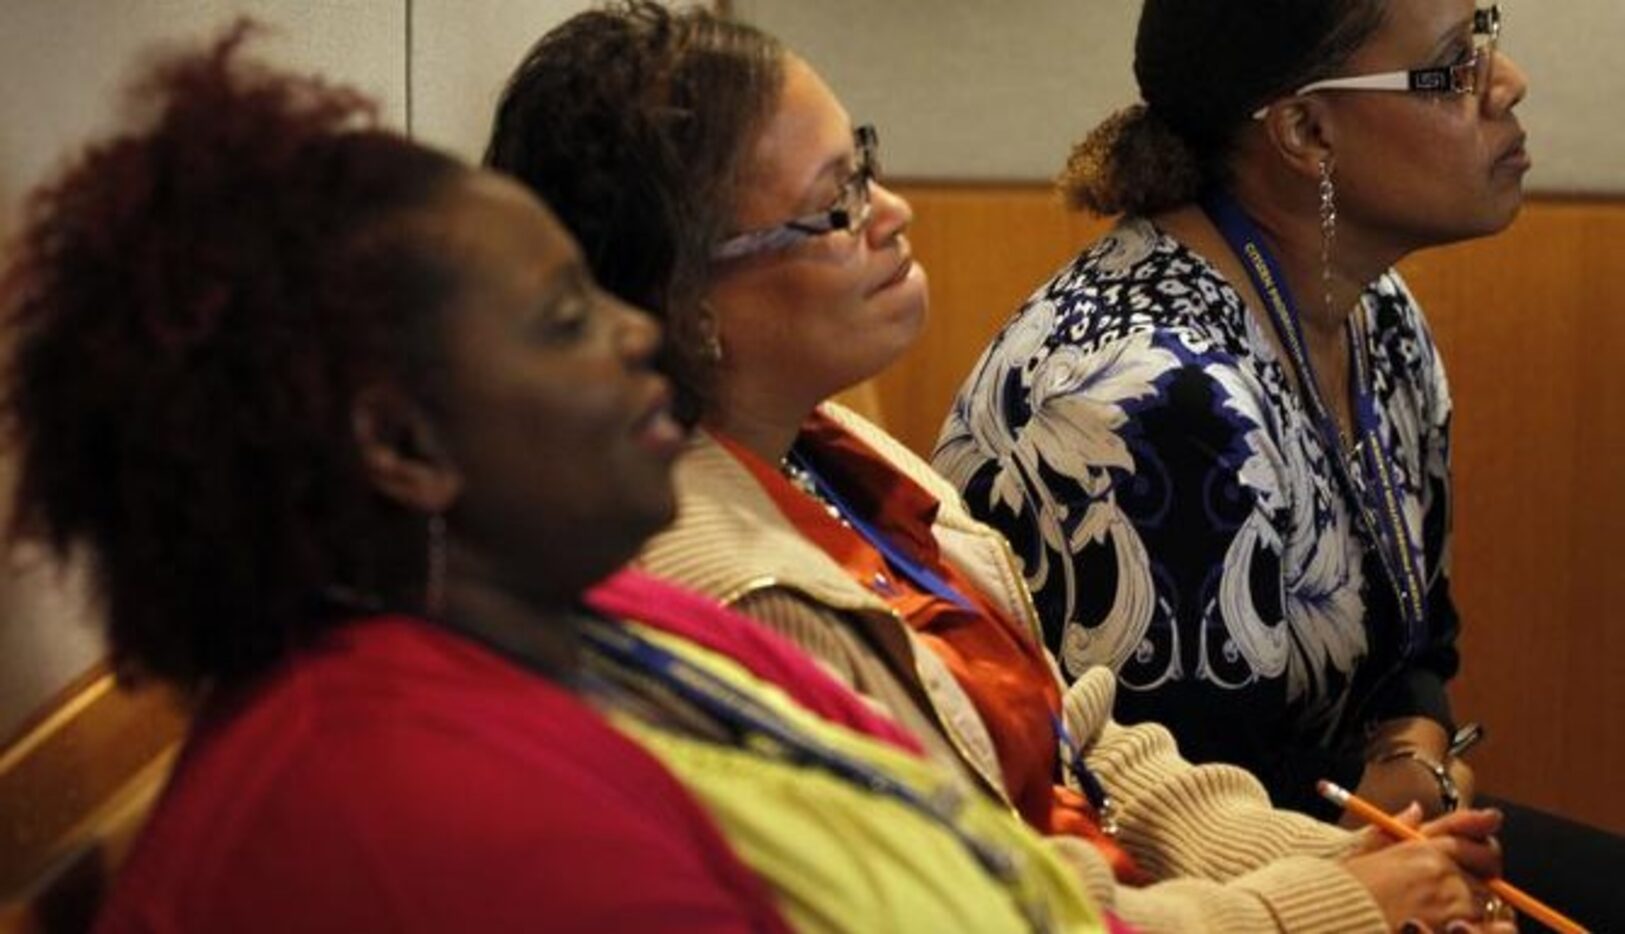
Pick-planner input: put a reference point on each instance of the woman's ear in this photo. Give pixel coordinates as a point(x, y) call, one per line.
point(401, 450)
point(1303, 133)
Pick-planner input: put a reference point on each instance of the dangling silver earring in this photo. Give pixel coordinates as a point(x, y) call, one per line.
point(1328, 231)
point(434, 578)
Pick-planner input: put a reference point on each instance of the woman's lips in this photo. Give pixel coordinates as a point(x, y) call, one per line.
point(1516, 157)
point(898, 275)
point(658, 431)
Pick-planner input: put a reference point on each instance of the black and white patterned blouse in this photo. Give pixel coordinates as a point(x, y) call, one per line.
point(1132, 431)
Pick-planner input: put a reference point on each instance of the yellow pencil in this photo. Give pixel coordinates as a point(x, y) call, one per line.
point(1509, 893)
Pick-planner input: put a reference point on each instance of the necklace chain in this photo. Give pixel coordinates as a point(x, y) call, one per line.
point(802, 479)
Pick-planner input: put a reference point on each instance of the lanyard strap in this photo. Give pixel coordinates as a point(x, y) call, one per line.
point(766, 732)
point(922, 576)
point(1378, 503)
point(1071, 755)
point(1106, 812)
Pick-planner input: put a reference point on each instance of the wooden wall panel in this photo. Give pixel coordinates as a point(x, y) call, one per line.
point(1533, 333)
point(66, 783)
point(984, 250)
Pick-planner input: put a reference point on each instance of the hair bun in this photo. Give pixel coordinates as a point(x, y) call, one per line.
point(1132, 163)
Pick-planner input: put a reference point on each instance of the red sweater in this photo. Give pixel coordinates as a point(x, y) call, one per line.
point(398, 777)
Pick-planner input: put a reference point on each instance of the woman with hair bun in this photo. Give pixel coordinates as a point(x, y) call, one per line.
point(1220, 438)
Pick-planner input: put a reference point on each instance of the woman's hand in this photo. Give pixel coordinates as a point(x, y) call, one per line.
point(1434, 884)
point(1396, 784)
point(1392, 781)
point(1466, 783)
point(1475, 849)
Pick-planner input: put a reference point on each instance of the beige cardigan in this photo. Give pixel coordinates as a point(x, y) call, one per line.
point(1225, 860)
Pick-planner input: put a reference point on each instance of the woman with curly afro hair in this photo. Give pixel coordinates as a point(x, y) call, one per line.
point(354, 446)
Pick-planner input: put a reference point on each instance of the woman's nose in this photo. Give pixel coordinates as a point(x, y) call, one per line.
point(890, 214)
point(1508, 85)
point(637, 333)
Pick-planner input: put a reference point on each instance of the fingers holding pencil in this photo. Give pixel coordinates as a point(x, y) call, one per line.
point(1415, 881)
point(1468, 837)
point(1471, 835)
point(1500, 888)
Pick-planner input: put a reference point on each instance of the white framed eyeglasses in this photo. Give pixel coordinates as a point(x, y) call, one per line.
point(1468, 76)
point(849, 212)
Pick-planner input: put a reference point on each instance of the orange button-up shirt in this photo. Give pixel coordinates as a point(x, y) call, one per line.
point(1003, 671)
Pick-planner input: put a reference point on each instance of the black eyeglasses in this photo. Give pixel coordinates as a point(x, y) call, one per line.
point(1468, 76)
point(849, 212)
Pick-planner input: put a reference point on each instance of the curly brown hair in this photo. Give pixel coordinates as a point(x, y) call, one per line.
point(1203, 67)
point(195, 304)
point(632, 122)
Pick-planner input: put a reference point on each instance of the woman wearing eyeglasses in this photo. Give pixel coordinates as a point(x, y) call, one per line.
point(712, 175)
point(1219, 438)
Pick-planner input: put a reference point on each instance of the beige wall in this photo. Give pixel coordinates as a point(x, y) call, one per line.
point(62, 62)
point(967, 89)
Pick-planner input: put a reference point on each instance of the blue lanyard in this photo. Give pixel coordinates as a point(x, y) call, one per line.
point(923, 577)
point(764, 731)
point(1071, 755)
point(1072, 759)
point(1377, 504)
